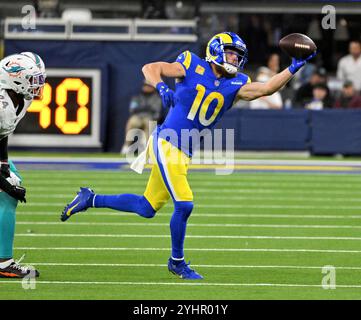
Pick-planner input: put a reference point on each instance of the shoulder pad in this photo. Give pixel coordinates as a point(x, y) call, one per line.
point(188, 60)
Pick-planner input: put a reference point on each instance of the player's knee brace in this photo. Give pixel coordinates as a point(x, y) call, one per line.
point(184, 208)
point(145, 208)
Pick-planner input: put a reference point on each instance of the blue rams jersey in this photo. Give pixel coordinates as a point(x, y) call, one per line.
point(201, 99)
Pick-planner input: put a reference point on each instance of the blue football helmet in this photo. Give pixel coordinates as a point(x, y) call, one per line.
point(216, 47)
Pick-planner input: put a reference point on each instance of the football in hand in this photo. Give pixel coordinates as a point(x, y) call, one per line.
point(297, 45)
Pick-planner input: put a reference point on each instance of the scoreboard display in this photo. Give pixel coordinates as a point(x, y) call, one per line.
point(67, 115)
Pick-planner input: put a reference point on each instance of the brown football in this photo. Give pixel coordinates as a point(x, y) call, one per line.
point(297, 45)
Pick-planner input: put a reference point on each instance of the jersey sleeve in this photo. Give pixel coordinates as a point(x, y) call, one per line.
point(186, 59)
point(242, 79)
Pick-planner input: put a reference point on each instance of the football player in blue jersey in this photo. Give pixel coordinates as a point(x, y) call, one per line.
point(205, 89)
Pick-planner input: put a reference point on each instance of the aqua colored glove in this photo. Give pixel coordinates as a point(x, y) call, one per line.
point(166, 94)
point(297, 64)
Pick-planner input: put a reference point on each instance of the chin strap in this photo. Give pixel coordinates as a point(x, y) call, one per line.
point(230, 68)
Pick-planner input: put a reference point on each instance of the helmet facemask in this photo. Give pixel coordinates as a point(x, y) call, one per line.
point(241, 54)
point(36, 86)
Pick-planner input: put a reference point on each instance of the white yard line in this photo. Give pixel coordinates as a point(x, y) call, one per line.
point(199, 284)
point(238, 198)
point(197, 186)
point(211, 266)
point(287, 191)
point(82, 235)
point(188, 249)
point(207, 225)
point(236, 206)
point(205, 215)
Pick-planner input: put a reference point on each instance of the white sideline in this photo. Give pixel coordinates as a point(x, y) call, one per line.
point(71, 235)
point(207, 225)
point(188, 249)
point(290, 162)
point(202, 284)
point(193, 265)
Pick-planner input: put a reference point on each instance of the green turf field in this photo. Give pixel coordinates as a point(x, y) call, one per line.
point(251, 235)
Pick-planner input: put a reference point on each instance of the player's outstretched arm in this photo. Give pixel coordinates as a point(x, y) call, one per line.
point(153, 72)
point(254, 90)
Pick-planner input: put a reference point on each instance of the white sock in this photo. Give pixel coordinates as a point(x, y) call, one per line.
point(177, 259)
point(6, 263)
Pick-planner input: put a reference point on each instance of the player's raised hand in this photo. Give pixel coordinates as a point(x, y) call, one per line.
point(298, 63)
point(166, 94)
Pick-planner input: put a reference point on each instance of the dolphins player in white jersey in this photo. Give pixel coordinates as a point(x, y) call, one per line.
point(22, 78)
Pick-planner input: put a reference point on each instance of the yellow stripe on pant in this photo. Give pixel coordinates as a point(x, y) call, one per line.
point(168, 177)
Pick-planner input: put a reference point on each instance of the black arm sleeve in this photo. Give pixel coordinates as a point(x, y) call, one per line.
point(5, 185)
point(4, 149)
point(17, 193)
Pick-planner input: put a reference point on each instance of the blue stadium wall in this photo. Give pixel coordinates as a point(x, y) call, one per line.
point(325, 132)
